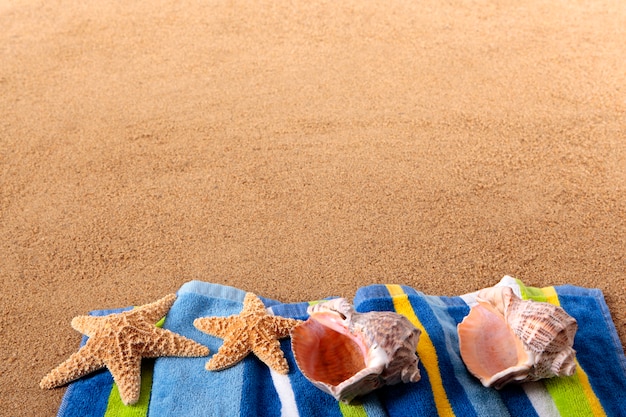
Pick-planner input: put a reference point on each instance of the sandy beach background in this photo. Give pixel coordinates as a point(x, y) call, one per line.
point(299, 150)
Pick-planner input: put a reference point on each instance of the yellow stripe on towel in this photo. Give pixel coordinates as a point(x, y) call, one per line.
point(425, 349)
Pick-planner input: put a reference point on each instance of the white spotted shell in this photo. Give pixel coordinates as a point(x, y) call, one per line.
point(506, 339)
point(349, 354)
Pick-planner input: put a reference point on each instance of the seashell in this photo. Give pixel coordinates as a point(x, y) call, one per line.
point(506, 339)
point(348, 354)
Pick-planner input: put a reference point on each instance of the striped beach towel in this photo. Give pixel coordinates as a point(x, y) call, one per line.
point(173, 386)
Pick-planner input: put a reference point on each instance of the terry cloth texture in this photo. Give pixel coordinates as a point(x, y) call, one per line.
point(175, 386)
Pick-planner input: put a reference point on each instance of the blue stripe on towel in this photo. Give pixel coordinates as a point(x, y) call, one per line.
point(258, 397)
point(449, 311)
point(516, 399)
point(294, 311)
point(397, 399)
point(372, 406)
point(210, 290)
point(454, 390)
point(87, 396)
point(371, 294)
point(182, 386)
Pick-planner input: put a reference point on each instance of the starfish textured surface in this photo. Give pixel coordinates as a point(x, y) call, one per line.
point(119, 342)
point(253, 330)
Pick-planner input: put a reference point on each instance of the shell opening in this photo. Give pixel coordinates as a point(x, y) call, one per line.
point(318, 349)
point(489, 348)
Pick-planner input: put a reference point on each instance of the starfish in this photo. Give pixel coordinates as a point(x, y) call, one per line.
point(119, 342)
point(253, 330)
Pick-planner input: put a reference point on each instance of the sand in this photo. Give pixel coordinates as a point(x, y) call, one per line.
point(299, 150)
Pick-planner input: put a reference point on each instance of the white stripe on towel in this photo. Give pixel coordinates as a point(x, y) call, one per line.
point(541, 399)
point(282, 384)
point(285, 394)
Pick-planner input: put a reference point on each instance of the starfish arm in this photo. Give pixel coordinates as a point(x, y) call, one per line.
point(88, 325)
point(126, 373)
point(228, 355)
point(80, 363)
point(164, 342)
point(153, 312)
point(272, 355)
point(282, 325)
point(216, 326)
point(252, 303)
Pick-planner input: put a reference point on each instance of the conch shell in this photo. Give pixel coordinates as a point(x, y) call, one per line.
point(348, 354)
point(506, 339)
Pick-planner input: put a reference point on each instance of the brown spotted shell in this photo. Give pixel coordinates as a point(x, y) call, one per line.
point(506, 339)
point(348, 354)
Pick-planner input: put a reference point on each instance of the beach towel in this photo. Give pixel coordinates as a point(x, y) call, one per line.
point(174, 386)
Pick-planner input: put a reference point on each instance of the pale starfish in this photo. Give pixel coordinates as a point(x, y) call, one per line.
point(253, 330)
point(119, 342)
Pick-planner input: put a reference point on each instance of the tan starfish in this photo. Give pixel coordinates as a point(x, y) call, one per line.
point(253, 330)
point(119, 342)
